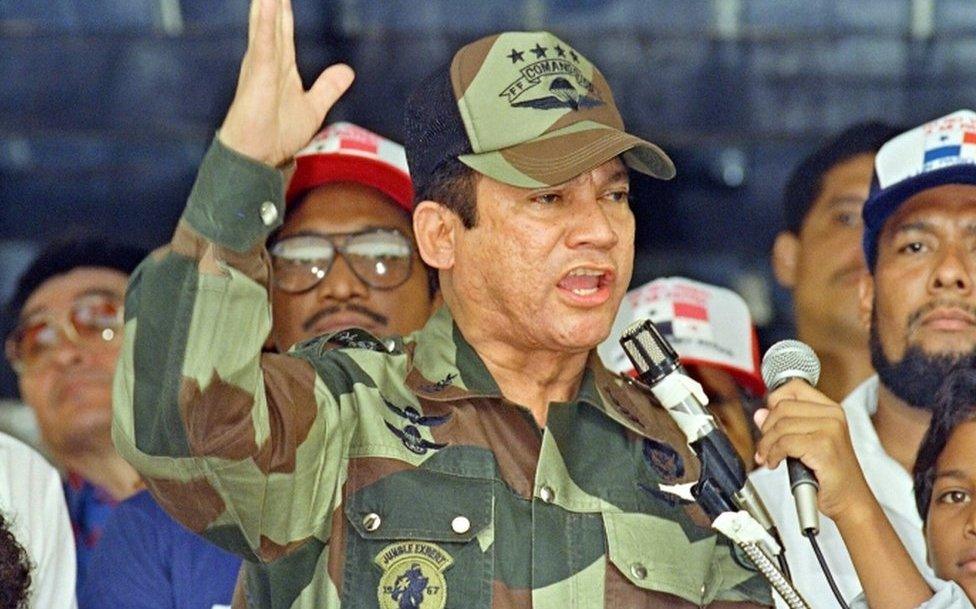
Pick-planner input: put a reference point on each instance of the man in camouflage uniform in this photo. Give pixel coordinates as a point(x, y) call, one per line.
point(489, 459)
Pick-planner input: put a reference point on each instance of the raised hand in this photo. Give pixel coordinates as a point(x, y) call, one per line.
point(272, 116)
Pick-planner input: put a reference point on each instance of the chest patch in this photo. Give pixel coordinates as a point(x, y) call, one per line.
point(664, 460)
point(413, 575)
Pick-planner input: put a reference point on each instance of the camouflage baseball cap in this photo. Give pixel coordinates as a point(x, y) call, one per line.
point(526, 109)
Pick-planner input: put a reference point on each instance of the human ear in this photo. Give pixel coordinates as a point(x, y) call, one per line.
point(786, 253)
point(435, 227)
point(865, 290)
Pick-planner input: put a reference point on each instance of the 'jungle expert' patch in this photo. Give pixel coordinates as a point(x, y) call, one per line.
point(413, 575)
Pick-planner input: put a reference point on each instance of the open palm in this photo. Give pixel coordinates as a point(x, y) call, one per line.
point(272, 116)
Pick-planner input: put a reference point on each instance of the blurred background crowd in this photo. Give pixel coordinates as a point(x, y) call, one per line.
point(107, 106)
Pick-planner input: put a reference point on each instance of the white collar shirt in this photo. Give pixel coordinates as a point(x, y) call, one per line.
point(32, 501)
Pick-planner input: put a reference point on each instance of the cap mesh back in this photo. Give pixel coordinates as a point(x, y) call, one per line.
point(433, 129)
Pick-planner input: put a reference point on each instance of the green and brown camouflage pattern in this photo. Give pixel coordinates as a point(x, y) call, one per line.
point(356, 473)
point(538, 113)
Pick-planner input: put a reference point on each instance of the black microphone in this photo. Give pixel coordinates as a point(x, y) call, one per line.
point(722, 486)
point(785, 361)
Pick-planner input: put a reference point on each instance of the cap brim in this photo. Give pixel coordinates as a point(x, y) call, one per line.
point(562, 155)
point(319, 169)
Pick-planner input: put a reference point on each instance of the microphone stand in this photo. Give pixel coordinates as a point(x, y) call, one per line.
point(746, 532)
point(754, 538)
point(723, 491)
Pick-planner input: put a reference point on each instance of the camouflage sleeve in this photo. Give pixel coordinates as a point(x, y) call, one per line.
point(239, 446)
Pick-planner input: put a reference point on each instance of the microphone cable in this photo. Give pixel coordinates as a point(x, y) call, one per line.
point(784, 566)
point(812, 536)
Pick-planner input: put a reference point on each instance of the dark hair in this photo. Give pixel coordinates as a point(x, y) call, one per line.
point(453, 185)
point(806, 182)
point(955, 404)
point(15, 570)
point(434, 138)
point(66, 254)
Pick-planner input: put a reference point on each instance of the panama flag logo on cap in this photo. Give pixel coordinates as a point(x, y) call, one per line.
point(684, 314)
point(343, 138)
point(947, 141)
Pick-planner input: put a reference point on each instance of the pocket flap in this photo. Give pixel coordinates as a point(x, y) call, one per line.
point(421, 504)
point(655, 554)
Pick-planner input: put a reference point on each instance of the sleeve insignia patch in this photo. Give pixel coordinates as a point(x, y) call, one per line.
point(664, 460)
point(413, 575)
point(356, 338)
point(411, 438)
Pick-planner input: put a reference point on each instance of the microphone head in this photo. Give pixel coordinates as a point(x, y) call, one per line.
point(651, 354)
point(789, 359)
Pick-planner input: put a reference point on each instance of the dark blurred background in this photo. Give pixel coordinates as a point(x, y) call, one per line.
point(106, 106)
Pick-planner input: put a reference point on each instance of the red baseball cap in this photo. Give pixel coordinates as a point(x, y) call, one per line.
point(344, 152)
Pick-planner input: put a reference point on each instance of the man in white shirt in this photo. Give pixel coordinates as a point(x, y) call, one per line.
point(920, 306)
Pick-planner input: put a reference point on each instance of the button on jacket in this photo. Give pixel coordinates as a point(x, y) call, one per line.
point(352, 472)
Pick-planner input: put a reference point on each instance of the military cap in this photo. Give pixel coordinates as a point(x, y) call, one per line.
point(524, 108)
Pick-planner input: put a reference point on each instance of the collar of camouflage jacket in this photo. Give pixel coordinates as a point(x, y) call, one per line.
point(445, 367)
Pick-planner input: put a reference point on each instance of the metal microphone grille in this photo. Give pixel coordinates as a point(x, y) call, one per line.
point(649, 351)
point(633, 344)
point(789, 359)
point(638, 341)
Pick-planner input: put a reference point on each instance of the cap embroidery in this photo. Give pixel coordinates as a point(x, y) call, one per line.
point(564, 85)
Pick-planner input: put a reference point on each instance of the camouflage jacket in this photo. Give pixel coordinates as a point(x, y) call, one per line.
point(395, 474)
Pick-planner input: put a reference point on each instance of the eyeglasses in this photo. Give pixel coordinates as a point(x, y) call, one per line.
point(382, 258)
point(92, 319)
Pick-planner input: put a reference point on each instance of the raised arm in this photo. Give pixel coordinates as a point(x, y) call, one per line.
point(215, 427)
point(805, 424)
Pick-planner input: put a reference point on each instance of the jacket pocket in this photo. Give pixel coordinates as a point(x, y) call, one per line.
point(655, 554)
point(420, 539)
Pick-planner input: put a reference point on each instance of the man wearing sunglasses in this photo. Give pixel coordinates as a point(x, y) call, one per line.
point(345, 255)
point(68, 306)
point(487, 460)
point(64, 349)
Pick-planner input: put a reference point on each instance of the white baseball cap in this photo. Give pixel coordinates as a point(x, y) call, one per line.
point(942, 151)
point(707, 326)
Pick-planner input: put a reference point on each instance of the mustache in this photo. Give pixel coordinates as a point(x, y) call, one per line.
point(924, 310)
point(375, 316)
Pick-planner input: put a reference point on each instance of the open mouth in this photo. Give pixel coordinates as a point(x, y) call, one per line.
point(587, 284)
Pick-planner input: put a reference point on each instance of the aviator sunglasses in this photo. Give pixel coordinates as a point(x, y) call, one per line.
point(382, 258)
point(93, 318)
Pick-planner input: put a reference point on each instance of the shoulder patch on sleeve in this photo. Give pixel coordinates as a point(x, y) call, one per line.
point(351, 338)
point(357, 338)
